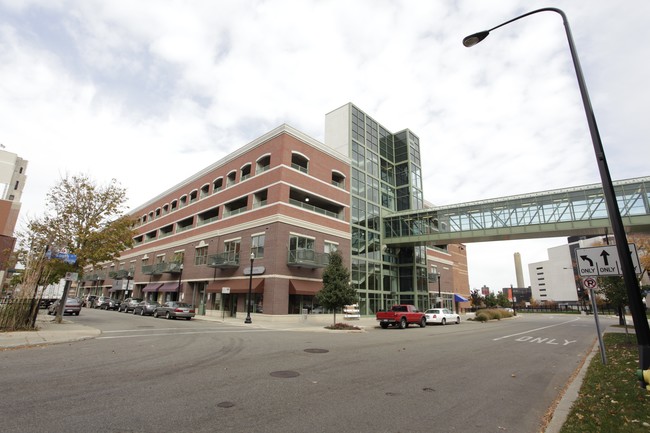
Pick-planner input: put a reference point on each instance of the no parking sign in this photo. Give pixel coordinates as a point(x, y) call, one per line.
point(590, 283)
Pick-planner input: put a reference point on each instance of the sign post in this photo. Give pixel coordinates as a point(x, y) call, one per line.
point(591, 284)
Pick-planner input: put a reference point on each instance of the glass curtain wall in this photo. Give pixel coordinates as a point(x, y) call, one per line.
point(386, 176)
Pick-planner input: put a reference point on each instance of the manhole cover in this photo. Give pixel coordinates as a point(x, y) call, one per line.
point(285, 374)
point(226, 404)
point(316, 350)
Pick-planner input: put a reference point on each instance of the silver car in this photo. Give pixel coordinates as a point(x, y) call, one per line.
point(173, 310)
point(146, 308)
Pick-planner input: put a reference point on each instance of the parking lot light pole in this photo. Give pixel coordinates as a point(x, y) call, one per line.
point(627, 267)
point(250, 291)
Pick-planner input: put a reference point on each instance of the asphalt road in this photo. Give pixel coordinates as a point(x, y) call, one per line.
point(145, 375)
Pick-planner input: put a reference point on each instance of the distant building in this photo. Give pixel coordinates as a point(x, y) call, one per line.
point(12, 182)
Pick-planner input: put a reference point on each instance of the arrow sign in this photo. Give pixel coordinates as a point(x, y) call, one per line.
point(603, 261)
point(605, 255)
point(587, 259)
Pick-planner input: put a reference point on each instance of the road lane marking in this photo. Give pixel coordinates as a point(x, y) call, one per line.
point(533, 330)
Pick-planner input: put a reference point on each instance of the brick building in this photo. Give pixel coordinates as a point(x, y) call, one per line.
point(267, 215)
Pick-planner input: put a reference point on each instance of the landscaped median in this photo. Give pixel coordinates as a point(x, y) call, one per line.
point(611, 399)
point(490, 314)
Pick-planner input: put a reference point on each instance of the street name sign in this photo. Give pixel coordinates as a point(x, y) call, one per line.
point(603, 261)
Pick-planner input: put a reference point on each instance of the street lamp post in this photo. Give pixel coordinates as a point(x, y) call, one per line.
point(438, 275)
point(180, 275)
point(627, 267)
point(250, 291)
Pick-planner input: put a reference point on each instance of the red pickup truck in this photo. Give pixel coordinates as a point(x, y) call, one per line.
point(401, 315)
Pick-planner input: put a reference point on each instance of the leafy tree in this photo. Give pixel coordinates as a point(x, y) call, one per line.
point(475, 299)
point(336, 291)
point(502, 300)
point(84, 219)
point(491, 300)
point(613, 288)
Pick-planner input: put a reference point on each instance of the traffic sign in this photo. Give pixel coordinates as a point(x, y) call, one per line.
point(603, 261)
point(590, 283)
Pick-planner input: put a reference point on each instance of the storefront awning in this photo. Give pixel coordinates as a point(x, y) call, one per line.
point(151, 287)
point(459, 298)
point(168, 287)
point(302, 287)
point(239, 285)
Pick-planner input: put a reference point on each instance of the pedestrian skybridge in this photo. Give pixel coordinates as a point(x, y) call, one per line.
point(563, 212)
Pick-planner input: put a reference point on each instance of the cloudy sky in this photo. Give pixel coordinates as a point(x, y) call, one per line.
point(151, 91)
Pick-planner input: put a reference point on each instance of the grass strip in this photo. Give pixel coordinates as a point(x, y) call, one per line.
point(610, 399)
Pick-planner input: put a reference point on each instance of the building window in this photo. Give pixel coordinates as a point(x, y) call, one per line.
point(217, 185)
point(297, 243)
point(232, 249)
point(245, 172)
point(263, 164)
point(205, 190)
point(194, 196)
point(299, 162)
point(330, 247)
point(257, 245)
point(201, 256)
point(230, 179)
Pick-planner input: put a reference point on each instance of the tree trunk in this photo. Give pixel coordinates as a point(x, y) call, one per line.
point(621, 321)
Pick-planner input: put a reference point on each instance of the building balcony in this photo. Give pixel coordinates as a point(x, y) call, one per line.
point(156, 269)
point(228, 260)
point(172, 268)
point(307, 259)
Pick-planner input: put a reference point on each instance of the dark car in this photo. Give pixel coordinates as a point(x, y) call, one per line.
point(72, 306)
point(173, 310)
point(146, 308)
point(110, 304)
point(129, 304)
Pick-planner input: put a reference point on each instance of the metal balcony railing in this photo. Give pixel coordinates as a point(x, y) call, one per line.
point(224, 260)
point(307, 259)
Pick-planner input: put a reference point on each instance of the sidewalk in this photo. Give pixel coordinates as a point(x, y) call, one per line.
point(49, 332)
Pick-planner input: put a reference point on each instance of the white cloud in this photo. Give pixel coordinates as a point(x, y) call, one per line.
point(134, 89)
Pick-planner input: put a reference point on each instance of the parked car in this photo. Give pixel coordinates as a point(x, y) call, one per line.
point(441, 316)
point(146, 307)
point(402, 316)
point(129, 304)
point(72, 306)
point(110, 304)
point(88, 301)
point(173, 310)
point(98, 301)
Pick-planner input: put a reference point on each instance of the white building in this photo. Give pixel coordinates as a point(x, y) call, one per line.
point(553, 279)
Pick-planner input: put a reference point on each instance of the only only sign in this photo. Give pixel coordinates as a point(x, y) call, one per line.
point(603, 261)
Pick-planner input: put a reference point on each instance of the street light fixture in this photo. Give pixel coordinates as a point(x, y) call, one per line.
point(250, 291)
point(627, 267)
